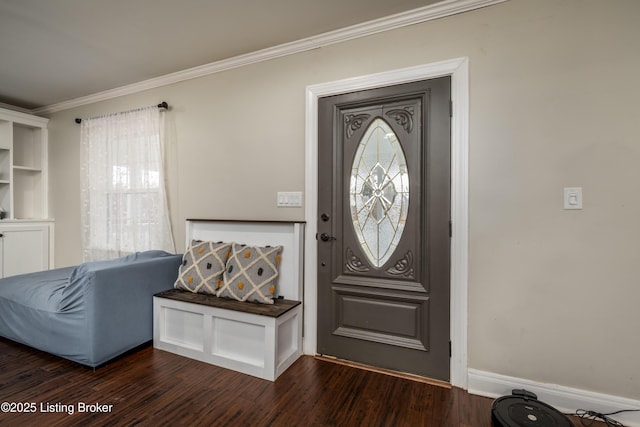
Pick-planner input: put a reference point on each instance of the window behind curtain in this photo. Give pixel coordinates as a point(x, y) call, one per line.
point(124, 205)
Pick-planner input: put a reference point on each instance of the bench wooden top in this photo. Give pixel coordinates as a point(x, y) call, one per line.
point(277, 309)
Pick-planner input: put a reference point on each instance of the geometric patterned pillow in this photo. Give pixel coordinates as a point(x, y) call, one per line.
point(202, 267)
point(252, 273)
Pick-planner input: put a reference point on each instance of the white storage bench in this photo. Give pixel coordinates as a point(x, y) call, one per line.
point(262, 340)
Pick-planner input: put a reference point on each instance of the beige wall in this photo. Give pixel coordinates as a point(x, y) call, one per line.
point(553, 103)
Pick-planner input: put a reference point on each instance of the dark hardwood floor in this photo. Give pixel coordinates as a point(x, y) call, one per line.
point(151, 387)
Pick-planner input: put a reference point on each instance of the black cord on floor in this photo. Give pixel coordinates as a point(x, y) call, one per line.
point(588, 417)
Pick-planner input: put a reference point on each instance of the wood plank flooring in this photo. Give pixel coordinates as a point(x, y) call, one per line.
point(154, 388)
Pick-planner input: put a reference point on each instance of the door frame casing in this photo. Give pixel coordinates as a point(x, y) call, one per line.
point(458, 69)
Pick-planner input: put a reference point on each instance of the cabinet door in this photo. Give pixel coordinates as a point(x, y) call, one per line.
point(25, 250)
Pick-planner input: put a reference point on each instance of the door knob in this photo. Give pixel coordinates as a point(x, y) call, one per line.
point(325, 237)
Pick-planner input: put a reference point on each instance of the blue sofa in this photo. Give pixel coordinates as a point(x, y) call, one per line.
point(90, 313)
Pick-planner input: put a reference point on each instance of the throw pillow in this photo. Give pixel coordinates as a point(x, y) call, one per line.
point(203, 266)
point(252, 273)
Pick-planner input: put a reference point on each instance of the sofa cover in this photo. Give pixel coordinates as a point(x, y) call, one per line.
point(90, 313)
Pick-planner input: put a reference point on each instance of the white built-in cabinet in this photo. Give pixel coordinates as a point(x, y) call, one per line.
point(26, 231)
point(24, 247)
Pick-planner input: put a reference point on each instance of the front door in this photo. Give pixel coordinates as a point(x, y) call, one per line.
point(384, 227)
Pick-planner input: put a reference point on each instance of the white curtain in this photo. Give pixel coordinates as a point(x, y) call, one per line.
point(124, 204)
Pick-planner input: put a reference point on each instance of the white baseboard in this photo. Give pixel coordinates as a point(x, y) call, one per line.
point(565, 399)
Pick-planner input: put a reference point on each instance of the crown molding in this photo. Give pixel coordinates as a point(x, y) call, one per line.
point(415, 16)
point(18, 115)
point(15, 108)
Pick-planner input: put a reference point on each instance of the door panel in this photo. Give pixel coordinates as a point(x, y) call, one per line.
point(381, 317)
point(383, 247)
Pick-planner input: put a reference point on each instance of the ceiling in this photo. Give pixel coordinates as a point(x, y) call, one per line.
point(53, 51)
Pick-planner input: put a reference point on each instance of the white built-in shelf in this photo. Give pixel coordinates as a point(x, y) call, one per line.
point(26, 169)
point(23, 165)
point(26, 232)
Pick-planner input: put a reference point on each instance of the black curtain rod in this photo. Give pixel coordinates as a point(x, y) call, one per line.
point(163, 104)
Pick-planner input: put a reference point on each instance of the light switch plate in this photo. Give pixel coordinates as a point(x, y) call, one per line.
point(573, 198)
point(289, 199)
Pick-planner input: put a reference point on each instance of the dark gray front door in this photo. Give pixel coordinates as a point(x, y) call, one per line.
point(383, 227)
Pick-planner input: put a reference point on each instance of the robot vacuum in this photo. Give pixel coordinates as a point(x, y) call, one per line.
point(523, 409)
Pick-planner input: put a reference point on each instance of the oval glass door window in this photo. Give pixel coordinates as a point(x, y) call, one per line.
point(379, 192)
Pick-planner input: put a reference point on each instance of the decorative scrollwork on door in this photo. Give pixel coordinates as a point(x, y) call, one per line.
point(354, 264)
point(403, 117)
point(403, 267)
point(353, 122)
